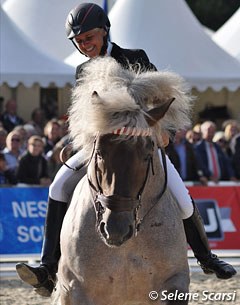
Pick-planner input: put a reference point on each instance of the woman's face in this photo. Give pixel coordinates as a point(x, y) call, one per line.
point(54, 132)
point(35, 148)
point(90, 43)
point(13, 141)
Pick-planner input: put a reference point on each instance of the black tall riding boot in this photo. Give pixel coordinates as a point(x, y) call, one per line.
point(43, 278)
point(197, 239)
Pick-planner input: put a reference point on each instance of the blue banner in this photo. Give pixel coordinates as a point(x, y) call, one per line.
point(22, 217)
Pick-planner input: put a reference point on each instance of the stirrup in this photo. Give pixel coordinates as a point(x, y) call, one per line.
point(49, 278)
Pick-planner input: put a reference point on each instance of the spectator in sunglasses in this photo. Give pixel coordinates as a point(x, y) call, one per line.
point(12, 151)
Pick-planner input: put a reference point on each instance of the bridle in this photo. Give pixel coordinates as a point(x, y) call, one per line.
point(119, 203)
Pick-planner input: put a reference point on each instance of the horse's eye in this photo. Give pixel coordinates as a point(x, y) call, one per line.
point(115, 115)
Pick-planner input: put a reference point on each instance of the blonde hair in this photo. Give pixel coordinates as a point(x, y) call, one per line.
point(35, 138)
point(10, 136)
point(49, 124)
point(228, 130)
point(218, 136)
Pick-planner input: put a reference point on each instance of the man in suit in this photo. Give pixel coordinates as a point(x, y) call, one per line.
point(88, 27)
point(182, 155)
point(10, 118)
point(211, 159)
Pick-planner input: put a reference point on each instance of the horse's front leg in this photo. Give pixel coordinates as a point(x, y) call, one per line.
point(78, 296)
point(72, 292)
point(61, 296)
point(65, 300)
point(176, 289)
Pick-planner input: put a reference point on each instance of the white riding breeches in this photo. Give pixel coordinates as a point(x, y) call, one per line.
point(178, 189)
point(66, 180)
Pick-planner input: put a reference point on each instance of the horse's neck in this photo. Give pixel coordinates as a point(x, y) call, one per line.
point(155, 182)
point(157, 177)
point(82, 197)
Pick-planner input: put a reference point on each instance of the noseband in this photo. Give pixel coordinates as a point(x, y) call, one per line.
point(119, 203)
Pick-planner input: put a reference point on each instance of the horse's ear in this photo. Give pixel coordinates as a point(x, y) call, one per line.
point(156, 113)
point(95, 94)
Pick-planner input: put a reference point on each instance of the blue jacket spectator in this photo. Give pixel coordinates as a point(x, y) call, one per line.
point(182, 155)
point(211, 159)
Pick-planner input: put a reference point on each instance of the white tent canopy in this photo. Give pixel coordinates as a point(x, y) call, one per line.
point(43, 21)
point(22, 62)
point(228, 36)
point(75, 59)
point(174, 40)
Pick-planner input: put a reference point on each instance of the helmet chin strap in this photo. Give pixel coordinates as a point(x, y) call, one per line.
point(75, 45)
point(105, 45)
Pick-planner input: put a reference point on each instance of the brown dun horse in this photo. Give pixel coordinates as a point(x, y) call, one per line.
point(122, 239)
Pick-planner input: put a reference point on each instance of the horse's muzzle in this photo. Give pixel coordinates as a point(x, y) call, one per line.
point(116, 227)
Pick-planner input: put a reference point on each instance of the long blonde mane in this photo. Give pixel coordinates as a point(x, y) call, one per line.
point(108, 97)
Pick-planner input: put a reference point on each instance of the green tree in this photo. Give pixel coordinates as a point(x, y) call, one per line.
point(213, 13)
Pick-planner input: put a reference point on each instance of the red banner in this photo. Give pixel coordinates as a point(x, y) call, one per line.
point(220, 209)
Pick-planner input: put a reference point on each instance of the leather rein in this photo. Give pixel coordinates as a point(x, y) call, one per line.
point(119, 203)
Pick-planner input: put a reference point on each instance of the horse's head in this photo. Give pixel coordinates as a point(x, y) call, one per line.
point(118, 172)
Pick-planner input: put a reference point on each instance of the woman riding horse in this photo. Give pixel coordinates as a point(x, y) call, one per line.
point(88, 28)
point(123, 227)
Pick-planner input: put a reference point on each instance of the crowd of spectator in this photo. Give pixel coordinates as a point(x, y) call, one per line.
point(205, 154)
point(29, 151)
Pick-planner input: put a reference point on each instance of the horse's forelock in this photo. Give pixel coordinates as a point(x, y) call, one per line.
point(122, 97)
point(101, 111)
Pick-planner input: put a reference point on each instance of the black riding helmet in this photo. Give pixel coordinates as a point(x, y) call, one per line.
point(86, 17)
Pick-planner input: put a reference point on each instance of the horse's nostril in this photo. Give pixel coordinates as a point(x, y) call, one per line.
point(115, 235)
point(102, 229)
point(130, 233)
